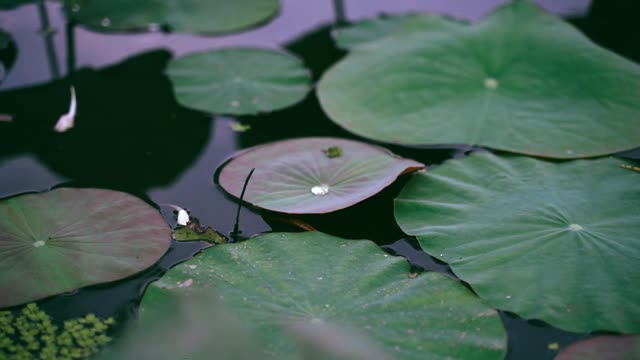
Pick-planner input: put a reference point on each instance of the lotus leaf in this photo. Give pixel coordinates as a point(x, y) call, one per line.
point(520, 80)
point(239, 81)
point(551, 241)
point(64, 239)
point(208, 17)
point(366, 31)
point(313, 278)
point(307, 176)
point(610, 347)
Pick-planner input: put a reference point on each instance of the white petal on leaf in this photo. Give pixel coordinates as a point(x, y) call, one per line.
point(66, 121)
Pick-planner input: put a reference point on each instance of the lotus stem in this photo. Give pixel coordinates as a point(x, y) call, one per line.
point(47, 32)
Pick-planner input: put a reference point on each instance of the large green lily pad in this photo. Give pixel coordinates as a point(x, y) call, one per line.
point(239, 81)
point(197, 16)
point(551, 241)
point(312, 175)
point(539, 88)
point(64, 239)
point(313, 278)
point(609, 347)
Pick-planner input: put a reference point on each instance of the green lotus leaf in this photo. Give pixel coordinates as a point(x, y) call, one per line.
point(278, 279)
point(312, 175)
point(366, 31)
point(539, 88)
point(195, 16)
point(239, 81)
point(64, 239)
point(11, 4)
point(556, 242)
point(609, 347)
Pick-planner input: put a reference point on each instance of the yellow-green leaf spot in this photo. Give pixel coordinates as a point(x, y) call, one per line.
point(31, 334)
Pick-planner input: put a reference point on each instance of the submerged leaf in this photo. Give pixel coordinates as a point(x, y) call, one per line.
point(296, 176)
point(556, 242)
point(64, 239)
point(365, 31)
point(239, 81)
point(540, 88)
point(316, 283)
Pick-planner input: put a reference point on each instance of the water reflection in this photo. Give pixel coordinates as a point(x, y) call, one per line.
point(129, 131)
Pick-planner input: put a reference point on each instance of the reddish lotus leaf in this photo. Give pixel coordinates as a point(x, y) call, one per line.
point(313, 175)
point(612, 347)
point(64, 239)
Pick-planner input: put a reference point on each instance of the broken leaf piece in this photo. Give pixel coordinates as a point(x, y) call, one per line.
point(439, 81)
point(568, 230)
point(186, 233)
point(333, 152)
point(240, 127)
point(337, 282)
point(67, 120)
point(295, 176)
point(60, 240)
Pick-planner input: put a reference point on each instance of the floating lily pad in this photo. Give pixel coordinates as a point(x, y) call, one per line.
point(314, 278)
point(366, 31)
point(239, 81)
point(609, 347)
point(64, 239)
point(304, 176)
point(208, 17)
point(551, 241)
point(540, 88)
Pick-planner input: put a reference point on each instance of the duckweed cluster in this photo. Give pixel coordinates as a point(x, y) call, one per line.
point(32, 335)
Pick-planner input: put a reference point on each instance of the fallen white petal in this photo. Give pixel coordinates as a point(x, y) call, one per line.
point(183, 217)
point(66, 121)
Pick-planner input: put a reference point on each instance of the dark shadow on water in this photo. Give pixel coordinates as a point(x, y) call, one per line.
point(129, 131)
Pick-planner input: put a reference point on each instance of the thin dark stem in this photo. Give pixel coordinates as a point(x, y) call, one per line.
point(71, 46)
point(236, 230)
point(47, 32)
point(338, 9)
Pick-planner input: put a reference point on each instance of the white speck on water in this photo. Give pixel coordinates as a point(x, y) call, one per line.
point(153, 27)
point(575, 227)
point(193, 266)
point(185, 283)
point(508, 296)
point(320, 190)
point(75, 8)
point(106, 22)
point(38, 243)
point(491, 83)
point(235, 103)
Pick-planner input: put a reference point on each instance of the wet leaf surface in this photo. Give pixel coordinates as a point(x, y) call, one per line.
point(64, 239)
point(296, 176)
point(531, 239)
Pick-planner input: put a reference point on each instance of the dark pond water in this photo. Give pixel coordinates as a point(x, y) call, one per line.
point(131, 135)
